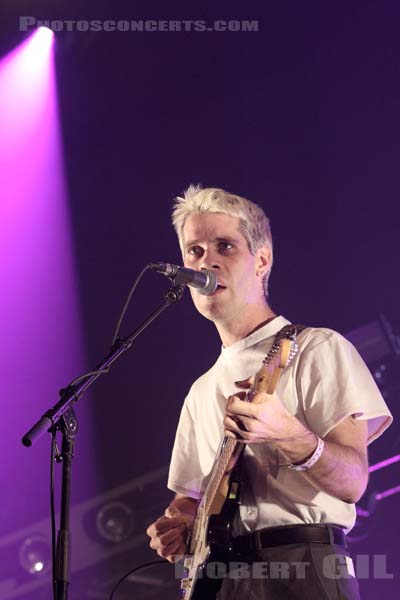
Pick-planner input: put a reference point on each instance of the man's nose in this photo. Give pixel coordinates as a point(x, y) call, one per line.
point(210, 260)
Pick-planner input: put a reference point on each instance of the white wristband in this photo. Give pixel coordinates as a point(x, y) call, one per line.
point(313, 458)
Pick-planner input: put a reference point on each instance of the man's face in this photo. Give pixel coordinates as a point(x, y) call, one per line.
point(215, 242)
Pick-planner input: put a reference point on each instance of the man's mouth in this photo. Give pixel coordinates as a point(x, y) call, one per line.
point(219, 288)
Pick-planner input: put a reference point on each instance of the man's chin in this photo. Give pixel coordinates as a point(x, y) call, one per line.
point(208, 310)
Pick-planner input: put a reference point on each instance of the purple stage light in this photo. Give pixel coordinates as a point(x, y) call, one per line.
point(41, 343)
point(384, 463)
point(45, 35)
point(387, 493)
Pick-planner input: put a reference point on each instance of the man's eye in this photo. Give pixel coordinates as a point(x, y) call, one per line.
point(195, 251)
point(225, 246)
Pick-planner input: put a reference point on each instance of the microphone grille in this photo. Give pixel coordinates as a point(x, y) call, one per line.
point(211, 284)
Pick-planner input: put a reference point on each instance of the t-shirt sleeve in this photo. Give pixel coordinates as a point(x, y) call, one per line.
point(185, 475)
point(336, 383)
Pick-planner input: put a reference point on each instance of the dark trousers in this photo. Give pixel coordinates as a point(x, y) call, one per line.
point(308, 571)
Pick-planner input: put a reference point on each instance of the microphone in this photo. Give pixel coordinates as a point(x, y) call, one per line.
point(204, 281)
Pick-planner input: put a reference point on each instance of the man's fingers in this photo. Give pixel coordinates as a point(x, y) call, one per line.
point(238, 407)
point(170, 537)
point(164, 524)
point(171, 512)
point(233, 424)
point(173, 534)
point(171, 550)
point(168, 533)
point(239, 427)
point(179, 553)
point(240, 395)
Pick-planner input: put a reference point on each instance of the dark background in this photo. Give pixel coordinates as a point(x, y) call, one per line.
point(301, 117)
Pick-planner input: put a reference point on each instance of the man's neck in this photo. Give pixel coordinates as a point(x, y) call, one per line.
point(239, 328)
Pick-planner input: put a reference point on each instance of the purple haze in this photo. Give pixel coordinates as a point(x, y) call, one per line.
point(40, 319)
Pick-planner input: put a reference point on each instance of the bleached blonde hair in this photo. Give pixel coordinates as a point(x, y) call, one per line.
point(253, 222)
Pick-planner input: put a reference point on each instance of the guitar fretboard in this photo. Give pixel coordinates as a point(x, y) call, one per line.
point(225, 458)
point(266, 379)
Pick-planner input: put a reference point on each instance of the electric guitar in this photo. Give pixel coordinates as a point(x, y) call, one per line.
point(210, 540)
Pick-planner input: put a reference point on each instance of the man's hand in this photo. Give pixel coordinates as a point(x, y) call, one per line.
point(265, 419)
point(168, 534)
point(342, 469)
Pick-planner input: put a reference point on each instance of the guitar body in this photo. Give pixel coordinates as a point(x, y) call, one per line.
point(208, 565)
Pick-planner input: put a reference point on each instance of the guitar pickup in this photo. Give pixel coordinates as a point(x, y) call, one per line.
point(233, 492)
point(185, 583)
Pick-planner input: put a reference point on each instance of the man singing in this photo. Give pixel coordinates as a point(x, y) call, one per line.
point(305, 460)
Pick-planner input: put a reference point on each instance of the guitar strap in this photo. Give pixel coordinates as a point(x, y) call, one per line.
point(289, 332)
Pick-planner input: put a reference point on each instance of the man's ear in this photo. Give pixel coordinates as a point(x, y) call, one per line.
point(263, 260)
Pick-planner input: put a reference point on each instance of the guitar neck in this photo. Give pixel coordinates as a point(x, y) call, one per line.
point(265, 381)
point(230, 451)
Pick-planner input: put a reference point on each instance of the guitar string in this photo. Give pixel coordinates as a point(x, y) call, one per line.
point(230, 444)
point(290, 334)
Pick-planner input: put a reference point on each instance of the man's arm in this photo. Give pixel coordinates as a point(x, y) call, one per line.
point(342, 469)
point(168, 534)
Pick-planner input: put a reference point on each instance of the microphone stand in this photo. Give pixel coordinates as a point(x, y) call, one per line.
point(62, 417)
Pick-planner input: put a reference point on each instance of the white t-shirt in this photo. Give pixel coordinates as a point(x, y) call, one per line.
point(325, 383)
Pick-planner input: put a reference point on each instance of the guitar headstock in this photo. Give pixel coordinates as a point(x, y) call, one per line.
point(279, 357)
